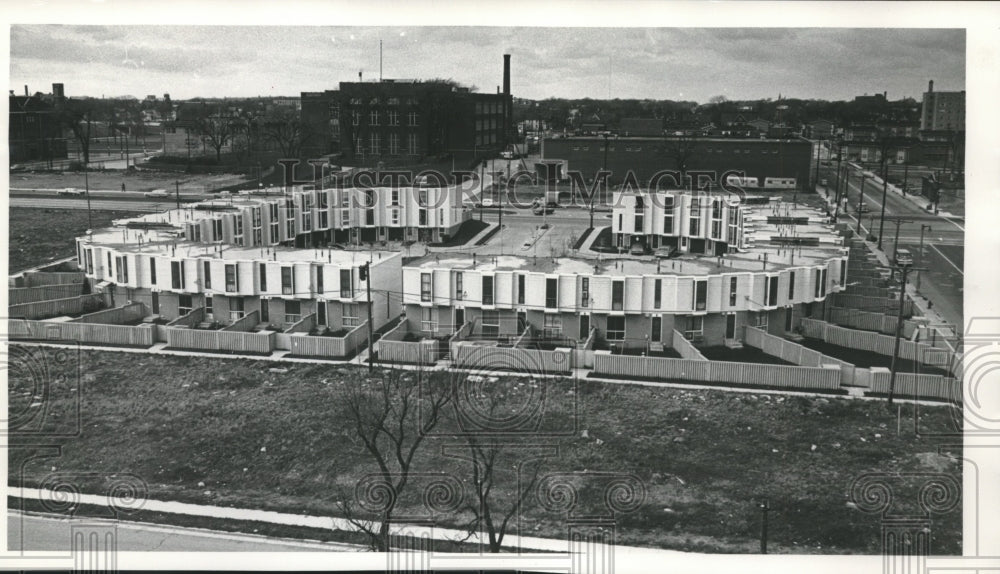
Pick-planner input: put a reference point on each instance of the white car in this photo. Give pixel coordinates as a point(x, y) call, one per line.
point(71, 191)
point(157, 193)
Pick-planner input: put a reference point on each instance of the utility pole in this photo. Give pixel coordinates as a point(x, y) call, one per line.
point(885, 188)
point(906, 170)
point(836, 208)
point(861, 199)
point(921, 252)
point(899, 329)
point(819, 144)
point(177, 192)
point(604, 167)
point(764, 509)
point(895, 245)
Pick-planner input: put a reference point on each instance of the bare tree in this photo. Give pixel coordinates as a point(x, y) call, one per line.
point(392, 413)
point(284, 127)
point(79, 116)
point(680, 149)
point(218, 129)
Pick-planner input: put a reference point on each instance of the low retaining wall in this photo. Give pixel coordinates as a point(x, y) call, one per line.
point(138, 336)
point(753, 374)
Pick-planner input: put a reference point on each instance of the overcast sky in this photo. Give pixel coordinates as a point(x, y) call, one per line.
point(658, 63)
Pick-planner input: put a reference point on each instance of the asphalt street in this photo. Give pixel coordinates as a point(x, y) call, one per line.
point(49, 533)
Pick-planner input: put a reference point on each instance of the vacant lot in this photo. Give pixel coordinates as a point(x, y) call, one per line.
point(236, 433)
point(38, 236)
point(112, 180)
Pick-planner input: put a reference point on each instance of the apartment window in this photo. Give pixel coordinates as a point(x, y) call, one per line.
point(394, 216)
point(791, 285)
point(355, 118)
point(551, 292)
point(287, 281)
point(425, 287)
point(412, 144)
point(121, 269)
point(695, 328)
point(376, 143)
point(822, 283)
point(216, 230)
point(152, 269)
point(459, 286)
point(232, 280)
point(324, 220)
point(638, 223)
point(319, 280)
point(668, 215)
point(657, 292)
point(700, 295)
point(617, 295)
point(321, 312)
point(351, 314)
point(427, 322)
point(413, 118)
point(346, 284)
point(694, 221)
point(293, 311)
point(176, 275)
point(552, 327)
point(772, 291)
point(345, 198)
point(759, 320)
point(373, 118)
point(491, 323)
point(263, 277)
point(422, 217)
point(322, 199)
point(90, 261)
point(393, 144)
point(306, 219)
point(843, 273)
point(207, 266)
point(393, 117)
point(732, 291)
point(236, 309)
point(394, 197)
point(184, 304)
point(487, 290)
point(817, 275)
point(238, 229)
point(585, 292)
point(345, 218)
point(616, 328)
point(273, 222)
point(110, 269)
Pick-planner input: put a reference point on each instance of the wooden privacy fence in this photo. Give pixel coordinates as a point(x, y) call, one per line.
point(527, 361)
point(870, 291)
point(916, 386)
point(423, 352)
point(870, 321)
point(235, 342)
point(753, 374)
point(116, 316)
point(329, 346)
point(190, 319)
point(304, 325)
point(42, 278)
point(137, 336)
point(874, 304)
point(56, 307)
point(43, 293)
point(685, 349)
point(864, 340)
point(795, 353)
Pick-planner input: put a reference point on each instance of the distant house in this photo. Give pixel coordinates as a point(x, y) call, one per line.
point(641, 127)
point(34, 130)
point(759, 124)
point(820, 129)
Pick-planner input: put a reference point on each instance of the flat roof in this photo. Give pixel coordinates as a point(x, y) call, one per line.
point(694, 139)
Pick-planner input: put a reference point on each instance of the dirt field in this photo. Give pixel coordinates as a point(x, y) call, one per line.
point(112, 180)
point(34, 240)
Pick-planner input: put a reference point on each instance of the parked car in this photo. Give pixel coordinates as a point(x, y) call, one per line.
point(157, 193)
point(863, 208)
point(72, 191)
point(904, 258)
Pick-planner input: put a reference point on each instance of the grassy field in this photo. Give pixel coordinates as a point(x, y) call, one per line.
point(234, 433)
point(40, 235)
point(112, 180)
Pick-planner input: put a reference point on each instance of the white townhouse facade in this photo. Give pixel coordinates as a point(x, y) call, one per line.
point(699, 223)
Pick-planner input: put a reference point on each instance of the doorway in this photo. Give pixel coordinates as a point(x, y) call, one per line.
point(731, 326)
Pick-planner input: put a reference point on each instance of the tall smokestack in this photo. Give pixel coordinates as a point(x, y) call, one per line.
point(26, 90)
point(508, 111)
point(930, 86)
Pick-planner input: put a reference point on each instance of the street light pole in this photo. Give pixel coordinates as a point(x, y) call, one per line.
point(899, 328)
point(885, 188)
point(819, 144)
point(86, 186)
point(861, 199)
point(765, 507)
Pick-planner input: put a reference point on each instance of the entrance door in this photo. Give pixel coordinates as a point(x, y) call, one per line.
point(731, 326)
point(788, 319)
point(156, 303)
point(584, 327)
point(459, 319)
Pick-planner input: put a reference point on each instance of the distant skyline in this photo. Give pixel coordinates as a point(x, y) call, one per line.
point(645, 63)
